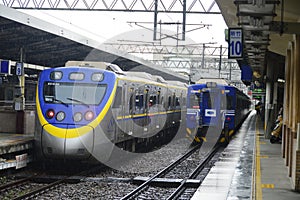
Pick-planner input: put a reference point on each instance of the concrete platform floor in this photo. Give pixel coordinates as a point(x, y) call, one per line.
point(251, 168)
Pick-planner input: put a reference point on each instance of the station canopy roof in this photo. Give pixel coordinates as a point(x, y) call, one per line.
point(32, 40)
point(268, 26)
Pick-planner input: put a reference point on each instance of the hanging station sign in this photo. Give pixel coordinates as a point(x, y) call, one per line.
point(235, 43)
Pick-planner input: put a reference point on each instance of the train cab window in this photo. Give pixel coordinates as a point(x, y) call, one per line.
point(73, 93)
point(207, 100)
point(118, 99)
point(229, 102)
point(194, 101)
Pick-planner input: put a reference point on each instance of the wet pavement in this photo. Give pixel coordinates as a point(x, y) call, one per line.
point(250, 168)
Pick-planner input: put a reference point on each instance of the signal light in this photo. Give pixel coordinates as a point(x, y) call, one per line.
point(89, 115)
point(228, 119)
point(50, 113)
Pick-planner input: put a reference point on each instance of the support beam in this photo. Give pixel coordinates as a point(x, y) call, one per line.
point(288, 27)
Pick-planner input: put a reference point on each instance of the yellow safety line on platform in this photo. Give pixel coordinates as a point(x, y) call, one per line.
point(258, 185)
point(261, 156)
point(263, 143)
point(267, 186)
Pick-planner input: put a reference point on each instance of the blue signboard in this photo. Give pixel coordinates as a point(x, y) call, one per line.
point(19, 69)
point(5, 67)
point(235, 43)
point(246, 74)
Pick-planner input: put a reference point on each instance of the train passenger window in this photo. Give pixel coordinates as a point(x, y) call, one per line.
point(139, 100)
point(169, 102)
point(147, 99)
point(118, 99)
point(151, 101)
point(174, 101)
point(177, 102)
point(158, 97)
point(131, 104)
point(183, 101)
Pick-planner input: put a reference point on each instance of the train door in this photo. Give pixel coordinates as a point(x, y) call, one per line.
point(211, 107)
point(132, 110)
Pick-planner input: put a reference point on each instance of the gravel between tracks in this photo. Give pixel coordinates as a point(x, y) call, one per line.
point(145, 165)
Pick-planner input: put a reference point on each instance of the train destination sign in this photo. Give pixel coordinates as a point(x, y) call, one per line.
point(235, 43)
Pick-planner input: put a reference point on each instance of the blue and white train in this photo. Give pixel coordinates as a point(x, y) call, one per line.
point(213, 104)
point(85, 112)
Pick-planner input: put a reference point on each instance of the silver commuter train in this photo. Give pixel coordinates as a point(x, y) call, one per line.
point(84, 112)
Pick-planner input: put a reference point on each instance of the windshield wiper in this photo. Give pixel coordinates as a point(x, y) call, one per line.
point(78, 101)
point(60, 101)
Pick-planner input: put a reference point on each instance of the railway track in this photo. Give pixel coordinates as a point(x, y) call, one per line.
point(27, 188)
point(184, 183)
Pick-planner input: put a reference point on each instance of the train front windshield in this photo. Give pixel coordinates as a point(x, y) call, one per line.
point(73, 93)
point(195, 101)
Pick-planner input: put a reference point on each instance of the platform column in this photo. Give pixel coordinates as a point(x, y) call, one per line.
point(20, 99)
point(296, 135)
point(269, 105)
point(286, 103)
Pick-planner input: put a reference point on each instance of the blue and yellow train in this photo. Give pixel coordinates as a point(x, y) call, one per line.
point(86, 112)
point(214, 105)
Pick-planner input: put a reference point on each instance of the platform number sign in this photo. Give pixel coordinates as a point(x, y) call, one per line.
point(19, 69)
point(235, 43)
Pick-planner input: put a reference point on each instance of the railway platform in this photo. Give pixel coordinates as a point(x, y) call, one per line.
point(15, 150)
point(250, 168)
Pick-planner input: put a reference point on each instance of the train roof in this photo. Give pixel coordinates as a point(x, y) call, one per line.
point(143, 75)
point(177, 83)
point(98, 65)
point(133, 75)
point(159, 79)
point(216, 80)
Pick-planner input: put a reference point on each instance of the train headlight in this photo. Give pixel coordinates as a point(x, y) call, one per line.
point(56, 75)
point(60, 116)
point(50, 113)
point(97, 77)
point(77, 117)
point(89, 115)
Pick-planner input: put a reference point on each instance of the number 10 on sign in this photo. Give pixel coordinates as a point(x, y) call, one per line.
point(235, 43)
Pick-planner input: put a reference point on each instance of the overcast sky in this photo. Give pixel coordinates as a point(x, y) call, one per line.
point(111, 24)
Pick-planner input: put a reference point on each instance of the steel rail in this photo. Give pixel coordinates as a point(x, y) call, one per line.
point(15, 183)
point(162, 172)
point(53, 184)
point(180, 189)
